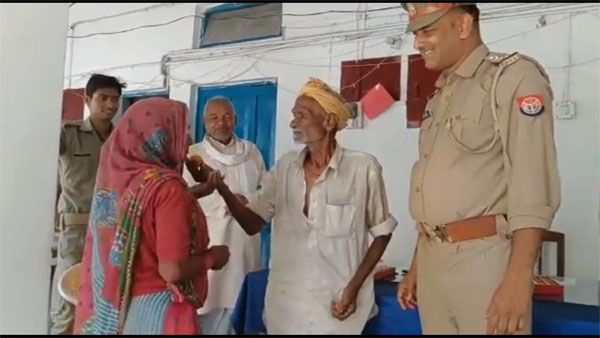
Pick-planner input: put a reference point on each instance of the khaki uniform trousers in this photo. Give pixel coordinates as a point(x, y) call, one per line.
point(71, 241)
point(456, 282)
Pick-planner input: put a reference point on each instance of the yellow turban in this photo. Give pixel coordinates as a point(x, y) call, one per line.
point(332, 102)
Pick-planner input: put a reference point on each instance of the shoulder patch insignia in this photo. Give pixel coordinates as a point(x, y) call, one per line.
point(531, 105)
point(503, 58)
point(510, 59)
point(495, 57)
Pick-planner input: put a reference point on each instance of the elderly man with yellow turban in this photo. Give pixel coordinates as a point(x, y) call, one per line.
point(324, 200)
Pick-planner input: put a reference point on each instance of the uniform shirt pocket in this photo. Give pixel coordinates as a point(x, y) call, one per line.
point(81, 163)
point(470, 125)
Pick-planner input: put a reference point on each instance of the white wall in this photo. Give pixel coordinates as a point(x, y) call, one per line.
point(31, 67)
point(386, 137)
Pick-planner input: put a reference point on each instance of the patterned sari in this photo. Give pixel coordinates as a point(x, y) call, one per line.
point(146, 149)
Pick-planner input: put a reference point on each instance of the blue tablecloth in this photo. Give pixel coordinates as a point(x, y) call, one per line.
point(549, 317)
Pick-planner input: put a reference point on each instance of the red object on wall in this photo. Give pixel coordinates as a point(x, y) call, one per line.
point(359, 77)
point(72, 107)
point(376, 101)
point(421, 84)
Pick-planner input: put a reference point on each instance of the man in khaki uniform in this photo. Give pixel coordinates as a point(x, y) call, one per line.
point(80, 144)
point(486, 183)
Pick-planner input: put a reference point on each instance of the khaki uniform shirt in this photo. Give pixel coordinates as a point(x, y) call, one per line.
point(470, 166)
point(78, 164)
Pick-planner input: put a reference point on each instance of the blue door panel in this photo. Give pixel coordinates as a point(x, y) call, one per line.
point(265, 131)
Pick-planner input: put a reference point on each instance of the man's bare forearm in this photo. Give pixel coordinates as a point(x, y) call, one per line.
point(200, 174)
point(524, 253)
point(205, 169)
point(201, 190)
point(373, 256)
point(248, 220)
point(413, 264)
point(187, 268)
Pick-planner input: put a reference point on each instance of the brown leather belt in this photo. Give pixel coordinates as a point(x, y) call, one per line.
point(69, 219)
point(473, 228)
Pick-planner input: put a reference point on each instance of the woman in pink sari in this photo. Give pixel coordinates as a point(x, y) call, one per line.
point(145, 259)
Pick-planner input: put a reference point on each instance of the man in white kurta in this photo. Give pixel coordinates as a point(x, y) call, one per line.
point(325, 201)
point(243, 168)
point(313, 258)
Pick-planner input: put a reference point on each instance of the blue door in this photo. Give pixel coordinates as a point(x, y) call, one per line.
point(130, 97)
point(255, 106)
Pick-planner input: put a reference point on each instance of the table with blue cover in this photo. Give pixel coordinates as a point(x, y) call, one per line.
point(577, 313)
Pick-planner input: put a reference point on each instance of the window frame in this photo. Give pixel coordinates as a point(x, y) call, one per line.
point(229, 7)
point(141, 93)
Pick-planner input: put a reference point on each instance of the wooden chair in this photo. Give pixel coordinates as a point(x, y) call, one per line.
point(559, 239)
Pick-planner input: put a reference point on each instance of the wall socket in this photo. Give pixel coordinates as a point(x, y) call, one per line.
point(564, 110)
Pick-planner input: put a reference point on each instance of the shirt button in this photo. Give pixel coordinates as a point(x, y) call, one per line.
point(418, 190)
point(426, 156)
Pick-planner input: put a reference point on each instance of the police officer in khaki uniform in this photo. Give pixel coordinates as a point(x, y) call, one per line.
point(485, 185)
point(80, 144)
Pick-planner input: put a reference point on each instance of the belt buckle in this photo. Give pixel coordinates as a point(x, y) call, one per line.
point(438, 233)
point(61, 222)
point(441, 234)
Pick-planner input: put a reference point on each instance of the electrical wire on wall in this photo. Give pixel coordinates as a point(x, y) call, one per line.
point(358, 6)
point(365, 19)
point(241, 52)
point(501, 8)
point(341, 36)
point(279, 85)
point(254, 67)
point(569, 58)
point(147, 84)
point(220, 19)
point(330, 68)
point(483, 16)
point(125, 13)
point(214, 70)
point(512, 12)
point(226, 78)
point(384, 60)
point(281, 61)
point(380, 30)
point(193, 80)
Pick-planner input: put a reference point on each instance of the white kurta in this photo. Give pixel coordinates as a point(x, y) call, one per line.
point(313, 258)
point(243, 167)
